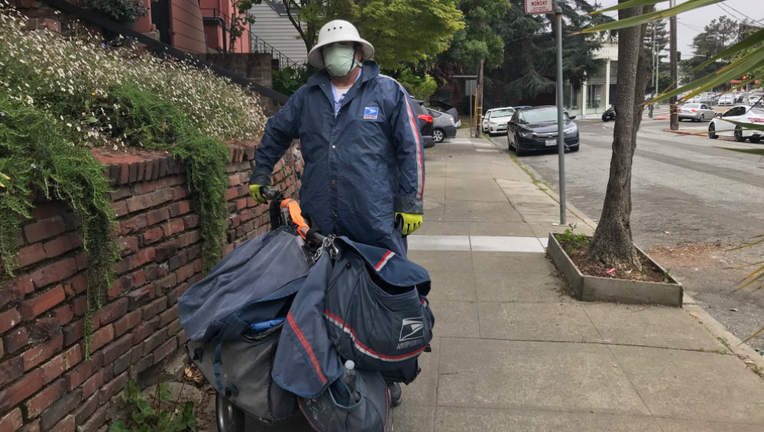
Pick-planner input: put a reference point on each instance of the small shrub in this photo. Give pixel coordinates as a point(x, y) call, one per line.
point(119, 11)
point(157, 418)
point(572, 242)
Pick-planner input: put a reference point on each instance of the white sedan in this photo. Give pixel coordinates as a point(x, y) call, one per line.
point(486, 116)
point(720, 126)
point(498, 119)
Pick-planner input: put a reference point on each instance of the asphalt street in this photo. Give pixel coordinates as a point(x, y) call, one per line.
point(693, 202)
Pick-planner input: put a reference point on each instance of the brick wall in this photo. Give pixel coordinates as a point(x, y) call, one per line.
point(45, 382)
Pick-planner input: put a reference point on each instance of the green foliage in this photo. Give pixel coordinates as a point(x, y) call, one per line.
point(717, 36)
point(158, 418)
point(240, 21)
point(157, 124)
point(289, 80)
point(571, 241)
point(478, 40)
point(39, 157)
point(421, 87)
point(402, 31)
point(119, 11)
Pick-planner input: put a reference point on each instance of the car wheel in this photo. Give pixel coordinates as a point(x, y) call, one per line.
point(438, 135)
point(518, 151)
point(738, 135)
point(712, 131)
point(229, 417)
point(605, 119)
point(754, 140)
point(702, 117)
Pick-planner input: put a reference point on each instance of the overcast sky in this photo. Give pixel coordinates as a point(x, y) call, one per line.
point(691, 23)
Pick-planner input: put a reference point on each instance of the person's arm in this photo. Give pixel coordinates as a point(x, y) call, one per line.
point(410, 157)
point(280, 131)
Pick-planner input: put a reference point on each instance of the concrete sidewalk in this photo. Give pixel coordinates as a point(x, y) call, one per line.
point(515, 352)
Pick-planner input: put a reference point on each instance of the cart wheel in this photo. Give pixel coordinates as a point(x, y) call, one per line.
point(229, 417)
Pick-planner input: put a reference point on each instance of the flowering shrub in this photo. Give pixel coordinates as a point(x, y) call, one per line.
point(68, 76)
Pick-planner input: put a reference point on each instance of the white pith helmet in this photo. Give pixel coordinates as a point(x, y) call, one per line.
point(337, 31)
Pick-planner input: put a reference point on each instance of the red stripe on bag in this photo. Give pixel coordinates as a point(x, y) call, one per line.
point(306, 345)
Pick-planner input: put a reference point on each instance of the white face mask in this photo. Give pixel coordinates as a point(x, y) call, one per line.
point(339, 59)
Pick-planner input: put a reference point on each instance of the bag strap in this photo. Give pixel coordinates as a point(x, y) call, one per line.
point(232, 329)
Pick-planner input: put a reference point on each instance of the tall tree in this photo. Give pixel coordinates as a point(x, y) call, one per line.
point(612, 242)
point(402, 31)
point(477, 40)
point(530, 50)
point(717, 36)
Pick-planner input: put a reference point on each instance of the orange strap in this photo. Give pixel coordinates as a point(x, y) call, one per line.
point(296, 214)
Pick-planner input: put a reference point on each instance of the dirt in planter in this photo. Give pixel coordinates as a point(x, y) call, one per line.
point(648, 273)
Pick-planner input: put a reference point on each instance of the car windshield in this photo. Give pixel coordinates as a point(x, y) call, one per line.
point(691, 105)
point(538, 115)
point(502, 113)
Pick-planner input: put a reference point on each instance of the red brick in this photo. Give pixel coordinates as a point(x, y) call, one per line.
point(122, 192)
point(63, 314)
point(189, 238)
point(166, 283)
point(128, 244)
point(59, 410)
point(15, 340)
point(142, 257)
point(174, 295)
point(127, 322)
point(173, 227)
point(231, 193)
point(10, 370)
point(117, 348)
point(141, 296)
point(86, 409)
point(166, 250)
point(31, 427)
point(12, 421)
point(79, 284)
point(80, 305)
point(65, 425)
point(44, 329)
point(54, 272)
point(16, 289)
point(174, 328)
point(61, 245)
point(37, 305)
point(82, 260)
point(154, 340)
point(97, 419)
point(45, 398)
point(153, 235)
point(165, 349)
point(154, 308)
point(180, 193)
point(101, 337)
point(139, 278)
point(49, 209)
point(157, 216)
point(132, 225)
point(144, 330)
point(168, 316)
point(124, 173)
point(9, 319)
point(241, 204)
point(92, 384)
point(112, 311)
point(31, 254)
point(26, 386)
point(44, 229)
point(120, 208)
point(186, 272)
point(83, 371)
point(115, 386)
point(61, 363)
point(191, 221)
point(74, 332)
point(141, 365)
point(40, 353)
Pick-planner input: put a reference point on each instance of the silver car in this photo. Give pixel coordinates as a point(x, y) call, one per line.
point(696, 112)
point(443, 125)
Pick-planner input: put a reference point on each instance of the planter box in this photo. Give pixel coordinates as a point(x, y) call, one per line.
point(593, 288)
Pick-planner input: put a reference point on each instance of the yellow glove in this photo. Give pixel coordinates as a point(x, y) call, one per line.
point(254, 190)
point(410, 222)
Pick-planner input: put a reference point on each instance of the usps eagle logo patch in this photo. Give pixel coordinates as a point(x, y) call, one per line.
point(370, 113)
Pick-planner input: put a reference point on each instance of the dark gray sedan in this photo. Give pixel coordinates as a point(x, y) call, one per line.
point(443, 125)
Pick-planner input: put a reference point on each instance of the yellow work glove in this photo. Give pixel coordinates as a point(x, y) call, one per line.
point(254, 190)
point(410, 222)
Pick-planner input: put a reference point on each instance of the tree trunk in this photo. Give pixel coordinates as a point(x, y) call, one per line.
point(612, 243)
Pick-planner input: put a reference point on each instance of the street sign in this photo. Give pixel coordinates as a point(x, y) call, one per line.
point(469, 87)
point(539, 6)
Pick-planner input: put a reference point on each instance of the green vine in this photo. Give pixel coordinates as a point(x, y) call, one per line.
point(144, 120)
point(37, 156)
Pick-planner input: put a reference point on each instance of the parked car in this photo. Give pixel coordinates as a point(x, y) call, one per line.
point(697, 112)
point(498, 119)
point(425, 122)
point(535, 129)
point(720, 126)
point(609, 114)
point(443, 125)
point(755, 99)
point(727, 100)
point(522, 107)
point(485, 120)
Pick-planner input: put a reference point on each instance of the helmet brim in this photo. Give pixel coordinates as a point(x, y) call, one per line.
point(316, 56)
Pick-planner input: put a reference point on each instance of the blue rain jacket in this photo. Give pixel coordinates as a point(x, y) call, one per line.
point(361, 166)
